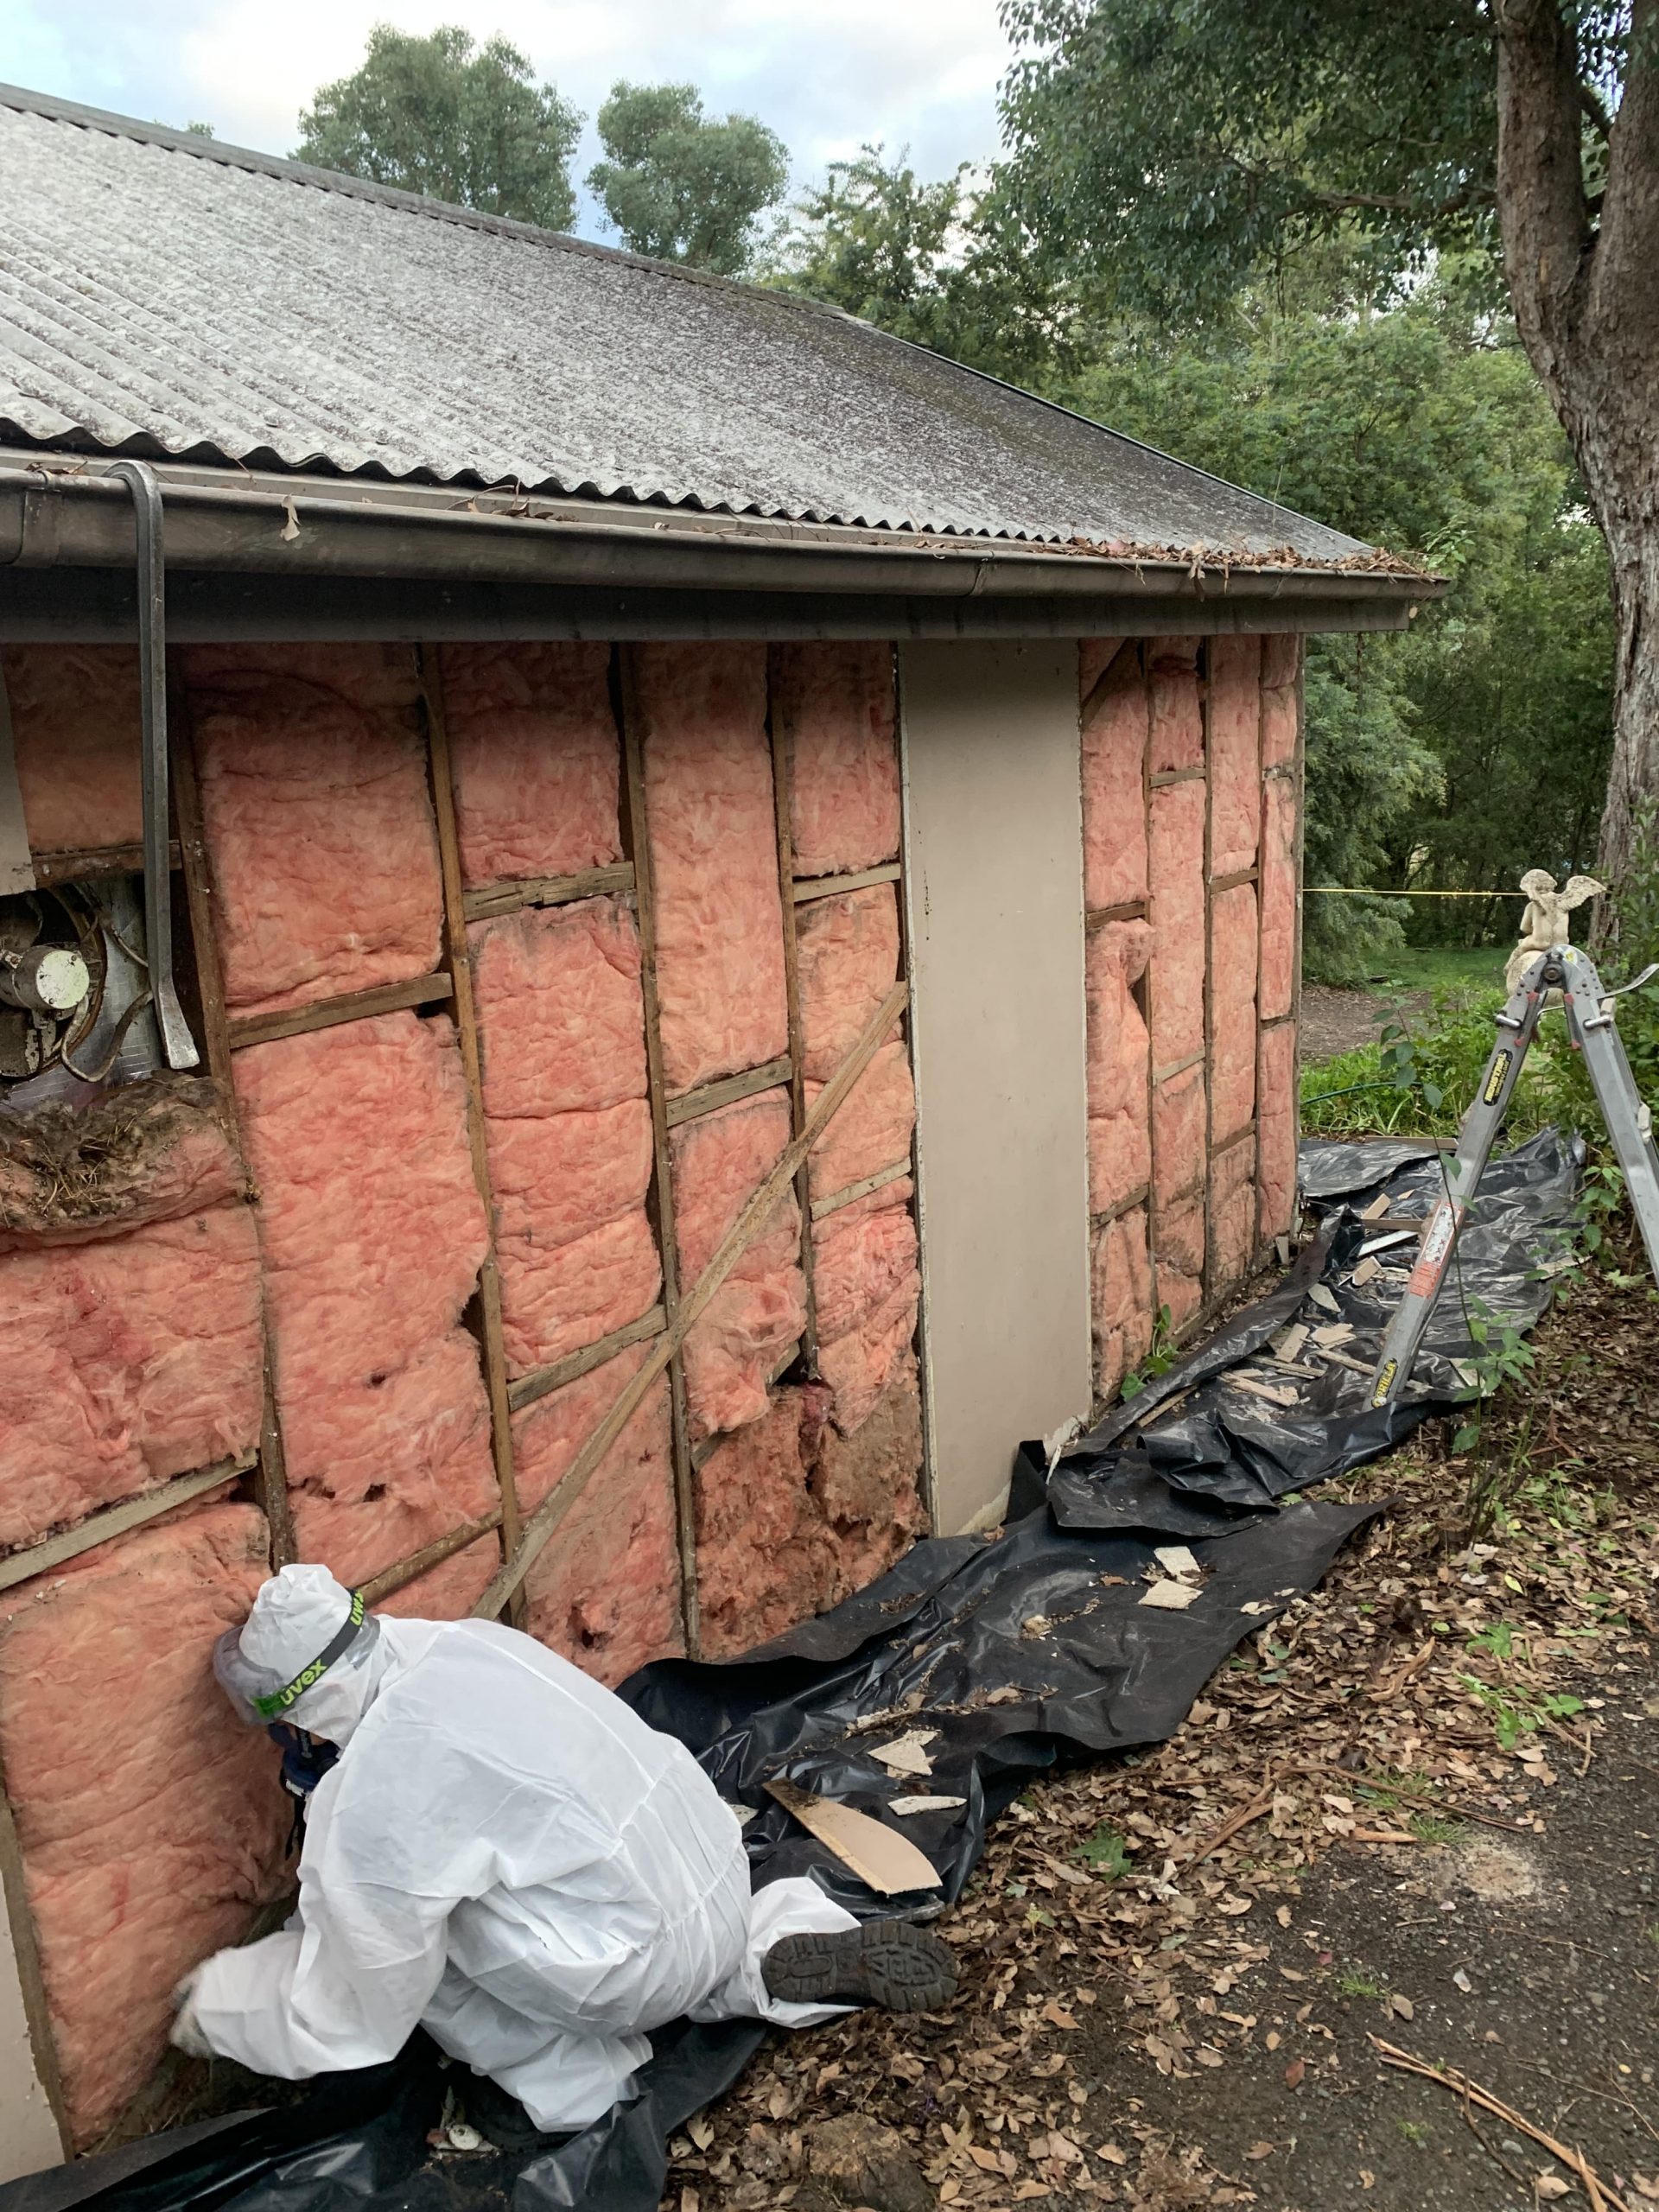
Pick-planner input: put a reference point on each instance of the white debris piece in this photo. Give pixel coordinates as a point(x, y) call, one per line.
point(926, 1804)
point(1171, 1596)
point(907, 1754)
point(1177, 1560)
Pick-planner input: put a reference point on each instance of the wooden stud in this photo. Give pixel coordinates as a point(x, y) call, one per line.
point(461, 972)
point(132, 1513)
point(26, 1949)
point(247, 1029)
point(536, 1385)
point(405, 1571)
point(1175, 776)
point(1132, 910)
point(830, 887)
point(1232, 883)
point(637, 844)
point(1109, 1214)
point(493, 899)
point(1178, 1067)
point(782, 728)
point(270, 1478)
point(95, 859)
point(854, 1191)
point(710, 1097)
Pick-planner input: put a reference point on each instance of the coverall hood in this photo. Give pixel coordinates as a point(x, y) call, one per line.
point(298, 1618)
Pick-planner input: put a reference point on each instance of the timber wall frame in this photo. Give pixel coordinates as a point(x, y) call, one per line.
point(449, 988)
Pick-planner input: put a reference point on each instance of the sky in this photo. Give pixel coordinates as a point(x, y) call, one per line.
point(825, 74)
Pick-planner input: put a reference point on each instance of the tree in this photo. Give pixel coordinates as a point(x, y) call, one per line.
point(950, 265)
point(454, 121)
point(1195, 146)
point(683, 186)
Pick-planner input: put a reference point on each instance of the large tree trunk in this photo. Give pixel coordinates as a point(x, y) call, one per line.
point(1583, 279)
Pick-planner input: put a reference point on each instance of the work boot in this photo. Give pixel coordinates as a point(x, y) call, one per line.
point(886, 1962)
point(501, 2120)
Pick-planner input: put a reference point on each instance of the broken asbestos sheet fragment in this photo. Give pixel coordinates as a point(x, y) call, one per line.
point(151, 1820)
point(561, 1021)
point(605, 1594)
point(719, 1161)
point(847, 954)
point(1235, 750)
point(75, 733)
point(713, 853)
point(318, 825)
point(128, 1361)
point(533, 743)
point(372, 1234)
point(835, 701)
point(1121, 1284)
point(1120, 1147)
point(866, 1289)
point(1115, 725)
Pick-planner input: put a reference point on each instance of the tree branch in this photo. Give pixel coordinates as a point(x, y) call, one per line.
point(1590, 102)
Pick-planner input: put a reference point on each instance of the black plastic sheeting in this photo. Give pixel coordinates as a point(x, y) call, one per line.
point(1226, 1453)
point(1019, 1652)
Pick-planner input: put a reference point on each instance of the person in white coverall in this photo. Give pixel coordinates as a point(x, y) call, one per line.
point(507, 1856)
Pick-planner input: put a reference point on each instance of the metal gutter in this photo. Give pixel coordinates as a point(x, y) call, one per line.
point(67, 511)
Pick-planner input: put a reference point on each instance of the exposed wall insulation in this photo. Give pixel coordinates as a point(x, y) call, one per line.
point(75, 731)
point(150, 1819)
point(313, 793)
point(1191, 769)
point(844, 802)
point(714, 850)
point(761, 1309)
point(373, 1236)
point(534, 743)
point(561, 1020)
point(150, 1151)
point(848, 951)
point(867, 1285)
point(607, 1596)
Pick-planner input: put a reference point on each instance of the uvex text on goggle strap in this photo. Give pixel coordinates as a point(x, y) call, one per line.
point(278, 1701)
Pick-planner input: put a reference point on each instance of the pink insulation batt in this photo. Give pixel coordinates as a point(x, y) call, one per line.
point(75, 733)
point(793, 1516)
point(449, 1590)
point(837, 702)
point(534, 751)
point(319, 822)
point(1278, 895)
point(1121, 1288)
point(1235, 749)
point(1177, 718)
point(873, 1129)
point(1179, 1114)
point(719, 1161)
point(714, 856)
point(1120, 1147)
point(150, 1151)
point(151, 1820)
point(867, 1288)
point(1232, 996)
point(1232, 1211)
point(1177, 913)
point(1281, 663)
point(372, 1234)
point(1277, 1130)
point(128, 1361)
point(847, 959)
point(1114, 760)
point(561, 1021)
point(605, 1591)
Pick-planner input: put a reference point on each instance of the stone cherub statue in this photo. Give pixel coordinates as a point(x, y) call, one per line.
point(1544, 921)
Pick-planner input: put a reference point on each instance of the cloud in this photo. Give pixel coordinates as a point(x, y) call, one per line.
point(826, 74)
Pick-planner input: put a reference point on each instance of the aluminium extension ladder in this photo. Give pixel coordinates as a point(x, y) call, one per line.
point(1589, 1010)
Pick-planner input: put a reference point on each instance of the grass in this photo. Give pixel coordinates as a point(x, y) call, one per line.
point(1354, 1984)
point(1442, 968)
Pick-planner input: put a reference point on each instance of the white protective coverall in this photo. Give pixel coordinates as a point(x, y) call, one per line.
point(504, 1854)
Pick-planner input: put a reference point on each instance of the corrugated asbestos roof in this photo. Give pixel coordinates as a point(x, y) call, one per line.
point(162, 294)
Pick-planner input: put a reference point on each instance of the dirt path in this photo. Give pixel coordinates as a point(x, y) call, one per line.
point(1174, 1962)
point(1338, 1021)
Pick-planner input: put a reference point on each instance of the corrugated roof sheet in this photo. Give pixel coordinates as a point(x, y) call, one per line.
point(160, 294)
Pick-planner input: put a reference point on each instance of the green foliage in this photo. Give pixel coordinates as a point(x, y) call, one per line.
point(681, 184)
point(1192, 148)
point(1517, 1711)
point(444, 117)
point(1160, 1357)
point(950, 265)
point(1107, 1852)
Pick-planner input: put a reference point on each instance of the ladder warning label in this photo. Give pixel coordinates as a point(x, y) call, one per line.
point(1431, 1256)
point(1495, 1079)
